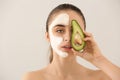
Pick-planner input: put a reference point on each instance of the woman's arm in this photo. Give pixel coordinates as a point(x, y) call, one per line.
point(107, 67)
point(93, 54)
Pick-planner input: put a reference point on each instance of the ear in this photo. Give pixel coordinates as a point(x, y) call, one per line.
point(47, 36)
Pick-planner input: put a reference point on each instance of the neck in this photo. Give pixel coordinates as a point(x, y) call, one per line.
point(64, 66)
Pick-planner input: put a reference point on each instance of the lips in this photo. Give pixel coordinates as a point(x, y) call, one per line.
point(67, 47)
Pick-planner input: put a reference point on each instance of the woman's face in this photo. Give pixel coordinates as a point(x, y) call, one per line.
point(60, 31)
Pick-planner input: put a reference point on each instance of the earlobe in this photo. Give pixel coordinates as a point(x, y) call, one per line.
point(47, 36)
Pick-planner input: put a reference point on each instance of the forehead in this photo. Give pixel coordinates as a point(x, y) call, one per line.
point(71, 14)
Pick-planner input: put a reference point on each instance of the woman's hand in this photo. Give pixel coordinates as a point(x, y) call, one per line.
point(93, 54)
point(91, 51)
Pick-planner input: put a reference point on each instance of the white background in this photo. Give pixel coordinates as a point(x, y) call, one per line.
point(23, 46)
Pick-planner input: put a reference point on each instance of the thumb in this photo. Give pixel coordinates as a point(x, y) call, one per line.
point(78, 53)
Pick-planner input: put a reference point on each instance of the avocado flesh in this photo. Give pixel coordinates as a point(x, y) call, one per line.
point(77, 36)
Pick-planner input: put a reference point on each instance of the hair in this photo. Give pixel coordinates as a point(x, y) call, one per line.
point(63, 7)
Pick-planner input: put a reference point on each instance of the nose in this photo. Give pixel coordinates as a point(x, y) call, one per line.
point(67, 37)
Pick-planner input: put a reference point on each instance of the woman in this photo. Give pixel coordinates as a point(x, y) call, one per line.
point(63, 64)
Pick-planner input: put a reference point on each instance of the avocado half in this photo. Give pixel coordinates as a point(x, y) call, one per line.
point(77, 36)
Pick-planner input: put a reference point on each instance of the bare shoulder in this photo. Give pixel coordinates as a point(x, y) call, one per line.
point(34, 75)
point(100, 75)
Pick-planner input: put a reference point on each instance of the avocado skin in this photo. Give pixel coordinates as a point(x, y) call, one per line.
point(76, 28)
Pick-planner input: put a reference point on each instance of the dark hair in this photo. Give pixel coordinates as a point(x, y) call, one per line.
point(63, 7)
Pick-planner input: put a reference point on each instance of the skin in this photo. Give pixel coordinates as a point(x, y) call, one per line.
point(62, 19)
point(68, 68)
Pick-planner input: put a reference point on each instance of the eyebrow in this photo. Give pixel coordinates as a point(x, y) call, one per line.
point(59, 25)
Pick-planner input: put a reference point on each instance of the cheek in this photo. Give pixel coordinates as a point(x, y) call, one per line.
point(55, 41)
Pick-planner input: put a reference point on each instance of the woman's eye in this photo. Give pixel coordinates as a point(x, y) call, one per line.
point(59, 31)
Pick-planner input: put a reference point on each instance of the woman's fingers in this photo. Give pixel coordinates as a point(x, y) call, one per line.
point(88, 34)
point(87, 39)
point(90, 44)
